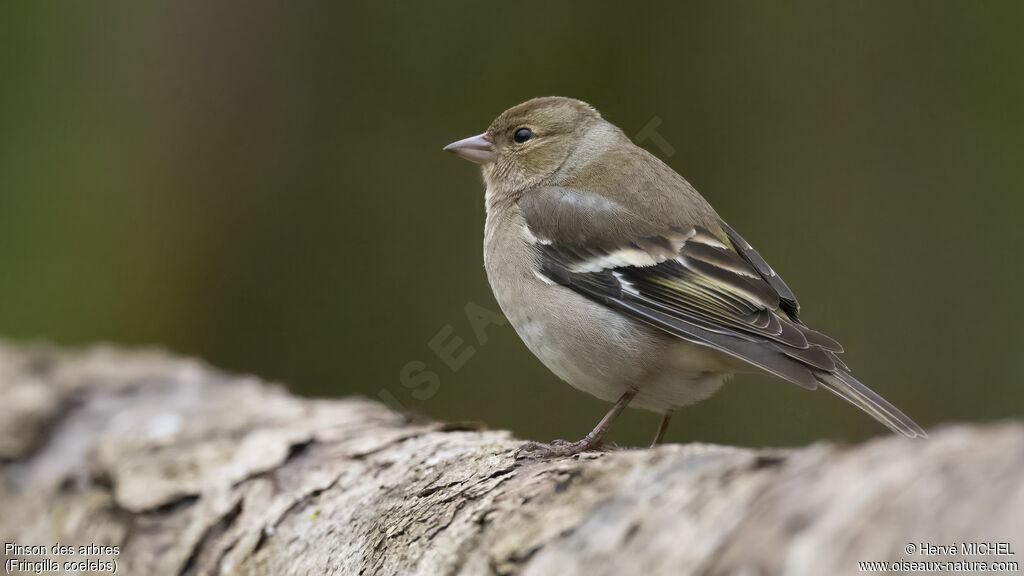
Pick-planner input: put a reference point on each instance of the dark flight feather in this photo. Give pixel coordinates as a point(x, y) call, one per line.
point(703, 283)
point(724, 297)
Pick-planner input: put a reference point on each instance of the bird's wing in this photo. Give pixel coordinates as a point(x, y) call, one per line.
point(700, 282)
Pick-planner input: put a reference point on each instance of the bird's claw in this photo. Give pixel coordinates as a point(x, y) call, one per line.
point(556, 449)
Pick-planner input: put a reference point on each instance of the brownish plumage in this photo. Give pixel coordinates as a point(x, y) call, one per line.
point(625, 282)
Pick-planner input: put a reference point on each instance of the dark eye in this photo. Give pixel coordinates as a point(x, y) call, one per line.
point(522, 135)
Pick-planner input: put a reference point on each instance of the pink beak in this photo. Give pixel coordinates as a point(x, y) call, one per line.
point(475, 149)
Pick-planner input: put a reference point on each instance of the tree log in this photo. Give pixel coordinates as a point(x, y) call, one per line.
point(188, 470)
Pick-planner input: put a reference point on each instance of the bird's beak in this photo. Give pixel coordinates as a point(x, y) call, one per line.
point(475, 149)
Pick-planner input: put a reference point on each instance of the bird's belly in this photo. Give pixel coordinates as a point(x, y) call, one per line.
point(588, 347)
point(601, 352)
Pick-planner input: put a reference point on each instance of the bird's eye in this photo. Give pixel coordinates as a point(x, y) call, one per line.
point(522, 135)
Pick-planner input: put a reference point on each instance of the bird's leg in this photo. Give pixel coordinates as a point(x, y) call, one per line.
point(662, 429)
point(592, 441)
point(596, 436)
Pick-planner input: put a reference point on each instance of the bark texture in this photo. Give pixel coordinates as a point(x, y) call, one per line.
point(192, 471)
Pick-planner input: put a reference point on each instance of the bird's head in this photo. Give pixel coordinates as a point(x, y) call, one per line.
point(529, 143)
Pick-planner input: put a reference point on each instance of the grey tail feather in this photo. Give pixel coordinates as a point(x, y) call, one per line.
point(848, 388)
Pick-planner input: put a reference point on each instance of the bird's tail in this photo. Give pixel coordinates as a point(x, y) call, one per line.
point(847, 387)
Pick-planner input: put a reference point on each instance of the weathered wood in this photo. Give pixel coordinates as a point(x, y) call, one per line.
point(192, 471)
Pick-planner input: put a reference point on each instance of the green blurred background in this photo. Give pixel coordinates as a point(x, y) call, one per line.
point(263, 186)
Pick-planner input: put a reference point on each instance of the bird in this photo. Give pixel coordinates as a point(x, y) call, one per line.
point(625, 282)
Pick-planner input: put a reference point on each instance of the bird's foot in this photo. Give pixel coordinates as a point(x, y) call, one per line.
point(556, 449)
